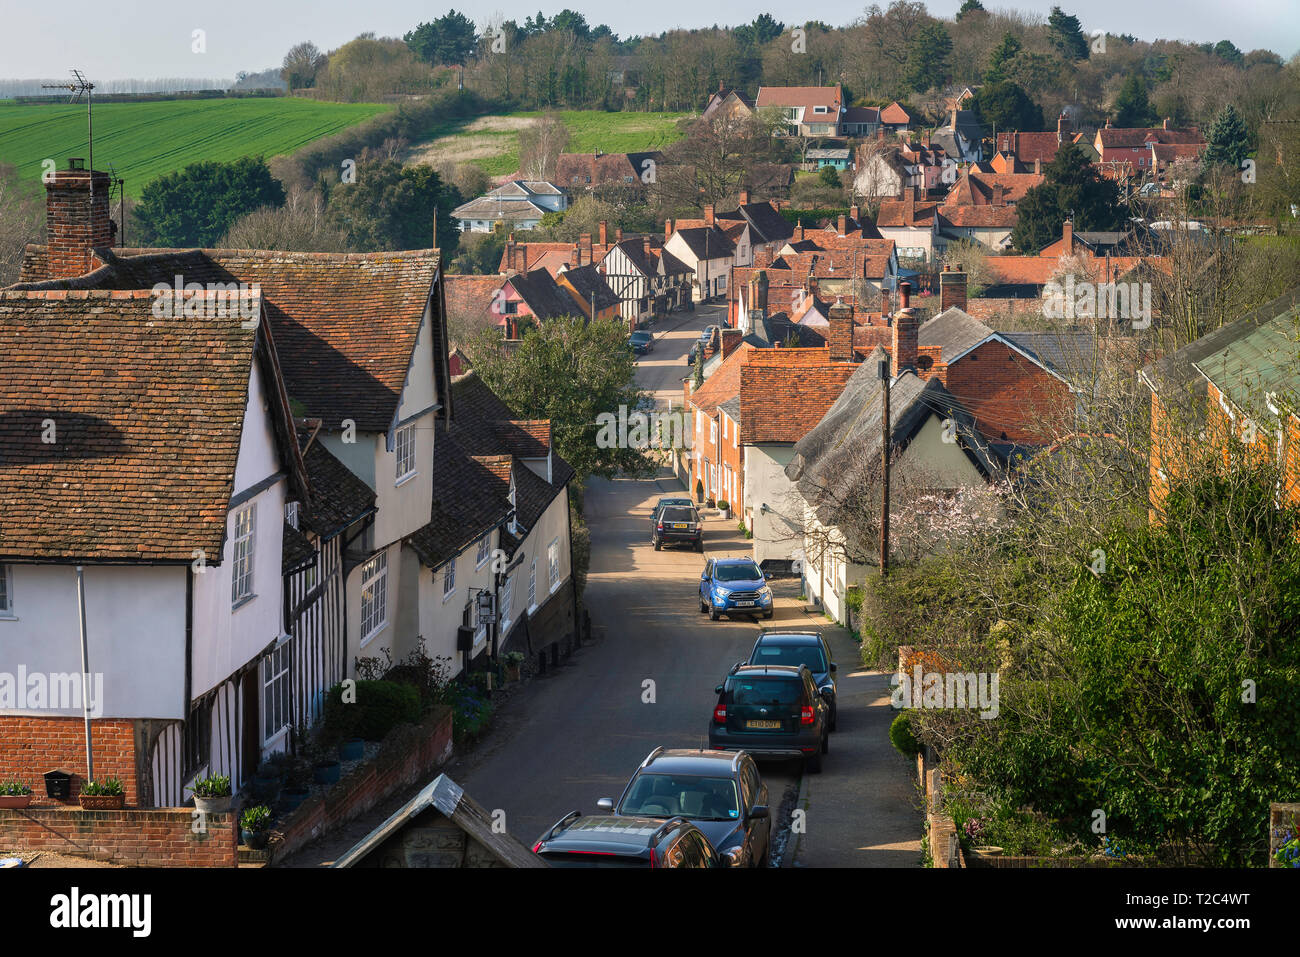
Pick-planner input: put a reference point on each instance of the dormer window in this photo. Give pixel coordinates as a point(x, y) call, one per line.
point(404, 445)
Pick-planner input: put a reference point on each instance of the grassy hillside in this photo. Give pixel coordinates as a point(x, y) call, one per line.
point(492, 142)
point(144, 140)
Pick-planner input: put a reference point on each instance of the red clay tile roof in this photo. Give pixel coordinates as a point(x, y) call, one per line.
point(469, 299)
point(981, 217)
point(894, 114)
point(345, 323)
point(975, 188)
point(147, 414)
point(792, 97)
point(785, 392)
point(1027, 147)
point(1115, 138)
point(893, 214)
point(587, 170)
point(723, 384)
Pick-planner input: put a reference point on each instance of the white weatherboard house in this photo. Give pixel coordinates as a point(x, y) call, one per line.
point(519, 204)
point(168, 491)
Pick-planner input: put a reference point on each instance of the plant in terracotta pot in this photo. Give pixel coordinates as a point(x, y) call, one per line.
point(255, 826)
point(106, 795)
point(514, 661)
point(14, 794)
point(212, 794)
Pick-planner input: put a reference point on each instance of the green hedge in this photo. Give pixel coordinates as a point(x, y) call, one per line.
point(902, 737)
point(380, 706)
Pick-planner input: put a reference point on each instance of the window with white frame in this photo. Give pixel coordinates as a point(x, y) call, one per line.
point(6, 592)
point(449, 580)
point(532, 586)
point(405, 447)
point(291, 513)
point(241, 584)
point(374, 595)
point(553, 563)
point(484, 549)
point(275, 692)
point(713, 432)
point(507, 599)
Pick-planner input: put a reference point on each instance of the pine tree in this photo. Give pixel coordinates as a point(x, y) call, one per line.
point(1132, 108)
point(970, 6)
point(1000, 59)
point(1066, 35)
point(1229, 141)
point(1071, 186)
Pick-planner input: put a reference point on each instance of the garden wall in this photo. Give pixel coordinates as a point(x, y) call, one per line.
point(410, 754)
point(157, 838)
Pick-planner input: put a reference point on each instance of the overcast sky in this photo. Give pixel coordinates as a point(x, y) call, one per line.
point(120, 39)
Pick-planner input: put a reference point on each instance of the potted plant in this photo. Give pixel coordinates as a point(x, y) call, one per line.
point(255, 826)
point(106, 795)
point(15, 794)
point(212, 794)
point(724, 507)
point(269, 777)
point(699, 491)
point(297, 784)
point(710, 503)
point(514, 664)
point(325, 767)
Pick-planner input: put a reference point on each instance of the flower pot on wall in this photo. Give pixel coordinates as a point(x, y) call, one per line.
point(255, 840)
point(102, 802)
point(15, 801)
point(214, 805)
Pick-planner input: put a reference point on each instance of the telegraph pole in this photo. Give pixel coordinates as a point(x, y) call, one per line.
point(882, 370)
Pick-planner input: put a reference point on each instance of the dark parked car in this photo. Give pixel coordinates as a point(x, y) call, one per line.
point(641, 341)
point(721, 794)
point(772, 711)
point(677, 525)
point(734, 586)
point(608, 841)
point(690, 355)
point(800, 648)
point(668, 500)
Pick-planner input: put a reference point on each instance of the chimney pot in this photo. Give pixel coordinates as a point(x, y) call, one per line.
point(603, 228)
point(744, 197)
point(708, 215)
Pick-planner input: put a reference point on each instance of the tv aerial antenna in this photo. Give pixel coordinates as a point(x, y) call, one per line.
point(77, 87)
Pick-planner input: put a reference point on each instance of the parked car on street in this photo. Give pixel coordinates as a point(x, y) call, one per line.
point(734, 586)
point(691, 353)
point(707, 335)
point(771, 711)
point(800, 648)
point(608, 841)
point(678, 525)
point(668, 500)
point(641, 342)
point(721, 794)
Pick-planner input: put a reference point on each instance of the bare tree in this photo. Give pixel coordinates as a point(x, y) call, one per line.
point(301, 65)
point(22, 221)
point(300, 225)
point(540, 145)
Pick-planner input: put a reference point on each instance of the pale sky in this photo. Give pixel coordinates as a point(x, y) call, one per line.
point(120, 39)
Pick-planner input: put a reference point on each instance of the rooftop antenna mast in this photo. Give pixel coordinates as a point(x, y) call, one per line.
point(79, 86)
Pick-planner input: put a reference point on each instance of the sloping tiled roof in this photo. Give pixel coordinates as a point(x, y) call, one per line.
point(706, 241)
point(723, 384)
point(297, 551)
point(345, 323)
point(588, 170)
point(484, 426)
point(488, 208)
point(467, 503)
point(955, 331)
point(338, 496)
point(469, 299)
point(893, 214)
point(590, 283)
point(784, 394)
point(894, 114)
point(1134, 138)
point(793, 97)
point(147, 415)
point(544, 296)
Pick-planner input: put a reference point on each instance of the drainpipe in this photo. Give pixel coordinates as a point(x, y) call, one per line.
point(85, 668)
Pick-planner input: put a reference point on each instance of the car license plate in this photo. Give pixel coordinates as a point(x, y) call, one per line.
point(742, 604)
point(763, 725)
point(679, 524)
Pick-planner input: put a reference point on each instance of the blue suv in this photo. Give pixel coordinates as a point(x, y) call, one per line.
point(734, 586)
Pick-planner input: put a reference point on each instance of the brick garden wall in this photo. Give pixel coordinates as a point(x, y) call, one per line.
point(409, 755)
point(30, 746)
point(158, 838)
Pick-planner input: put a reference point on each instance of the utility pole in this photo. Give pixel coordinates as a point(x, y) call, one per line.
point(882, 370)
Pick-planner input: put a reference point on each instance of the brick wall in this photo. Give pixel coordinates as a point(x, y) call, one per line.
point(159, 838)
point(409, 755)
point(1009, 394)
point(30, 746)
point(75, 223)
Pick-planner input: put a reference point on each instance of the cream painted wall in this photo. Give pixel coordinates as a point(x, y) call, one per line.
point(225, 637)
point(406, 507)
point(135, 633)
point(779, 533)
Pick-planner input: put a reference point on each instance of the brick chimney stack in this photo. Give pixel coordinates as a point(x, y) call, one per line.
point(842, 225)
point(744, 197)
point(618, 234)
point(1063, 127)
point(668, 229)
point(1067, 236)
point(645, 246)
point(75, 223)
point(604, 233)
point(952, 288)
point(998, 198)
point(708, 215)
point(855, 213)
point(1166, 126)
point(906, 332)
point(840, 338)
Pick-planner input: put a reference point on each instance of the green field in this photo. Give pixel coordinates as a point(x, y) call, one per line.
point(142, 141)
point(492, 142)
